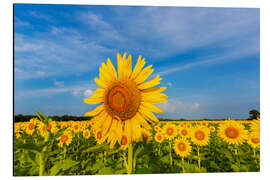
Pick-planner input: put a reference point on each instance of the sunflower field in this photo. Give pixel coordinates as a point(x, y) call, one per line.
point(125, 137)
point(46, 147)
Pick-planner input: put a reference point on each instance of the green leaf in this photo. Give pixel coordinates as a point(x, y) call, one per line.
point(42, 117)
point(28, 146)
point(97, 148)
point(106, 170)
point(62, 165)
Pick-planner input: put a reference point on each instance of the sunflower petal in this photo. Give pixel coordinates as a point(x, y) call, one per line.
point(151, 107)
point(150, 83)
point(144, 74)
point(96, 111)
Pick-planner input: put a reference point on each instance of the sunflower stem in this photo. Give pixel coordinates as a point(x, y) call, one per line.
point(130, 158)
point(159, 149)
point(183, 170)
point(170, 152)
point(199, 158)
point(41, 164)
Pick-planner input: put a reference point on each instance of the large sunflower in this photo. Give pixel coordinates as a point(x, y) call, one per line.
point(200, 135)
point(232, 132)
point(126, 99)
point(182, 147)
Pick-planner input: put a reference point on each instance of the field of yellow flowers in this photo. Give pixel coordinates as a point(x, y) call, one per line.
point(46, 147)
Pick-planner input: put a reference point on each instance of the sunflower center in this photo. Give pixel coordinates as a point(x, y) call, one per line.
point(31, 126)
point(255, 140)
point(181, 146)
point(232, 132)
point(184, 132)
point(169, 131)
point(199, 135)
point(64, 138)
point(86, 134)
point(122, 100)
point(159, 137)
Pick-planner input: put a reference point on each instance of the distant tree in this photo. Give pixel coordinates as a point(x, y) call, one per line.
point(254, 114)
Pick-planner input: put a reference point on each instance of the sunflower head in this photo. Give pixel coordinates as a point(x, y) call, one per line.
point(169, 131)
point(159, 137)
point(125, 99)
point(254, 140)
point(86, 133)
point(232, 132)
point(65, 138)
point(182, 147)
point(200, 135)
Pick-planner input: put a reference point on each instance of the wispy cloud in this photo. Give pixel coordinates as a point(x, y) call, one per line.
point(81, 89)
point(39, 15)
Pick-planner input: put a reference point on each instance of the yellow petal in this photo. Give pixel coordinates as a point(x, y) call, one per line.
point(151, 107)
point(147, 114)
point(144, 74)
point(150, 83)
point(112, 69)
point(154, 98)
point(100, 83)
point(95, 111)
point(154, 90)
point(137, 69)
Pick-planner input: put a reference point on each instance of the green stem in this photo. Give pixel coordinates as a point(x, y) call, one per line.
point(41, 164)
point(130, 158)
point(170, 152)
point(159, 149)
point(237, 156)
point(199, 158)
point(183, 165)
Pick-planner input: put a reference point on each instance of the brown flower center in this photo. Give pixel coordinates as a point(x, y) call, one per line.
point(199, 135)
point(122, 100)
point(181, 146)
point(232, 132)
point(169, 131)
point(184, 132)
point(64, 138)
point(255, 140)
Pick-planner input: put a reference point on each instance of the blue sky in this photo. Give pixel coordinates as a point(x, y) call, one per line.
point(209, 58)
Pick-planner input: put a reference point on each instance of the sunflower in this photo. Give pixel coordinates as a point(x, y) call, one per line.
point(200, 135)
point(232, 132)
point(169, 130)
point(126, 100)
point(157, 128)
point(159, 137)
point(65, 138)
point(86, 134)
point(255, 125)
point(41, 128)
point(254, 140)
point(30, 128)
point(182, 147)
point(76, 127)
point(52, 127)
point(212, 128)
point(184, 132)
point(146, 135)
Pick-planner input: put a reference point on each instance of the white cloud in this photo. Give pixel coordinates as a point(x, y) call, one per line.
point(169, 84)
point(38, 15)
point(196, 105)
point(177, 106)
point(87, 93)
point(58, 83)
point(75, 92)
